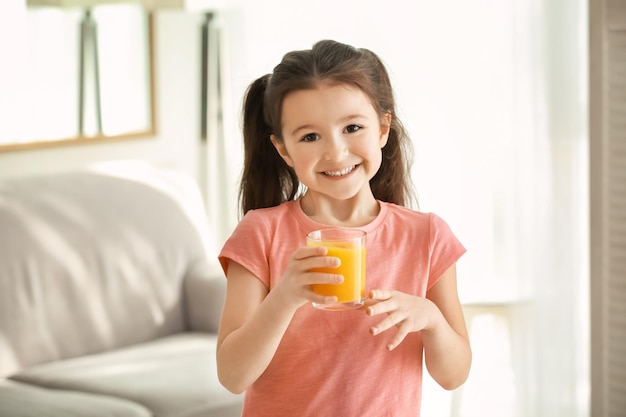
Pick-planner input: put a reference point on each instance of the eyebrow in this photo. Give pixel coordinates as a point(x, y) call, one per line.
point(303, 127)
point(342, 120)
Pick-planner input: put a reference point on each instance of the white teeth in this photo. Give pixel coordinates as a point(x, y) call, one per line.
point(340, 173)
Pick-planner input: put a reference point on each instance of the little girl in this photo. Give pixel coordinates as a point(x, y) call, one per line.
point(323, 148)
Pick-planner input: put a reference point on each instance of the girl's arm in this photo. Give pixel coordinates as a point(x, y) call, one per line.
point(439, 317)
point(251, 328)
point(447, 351)
point(255, 319)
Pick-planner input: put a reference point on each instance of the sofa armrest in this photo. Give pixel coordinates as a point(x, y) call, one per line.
point(204, 289)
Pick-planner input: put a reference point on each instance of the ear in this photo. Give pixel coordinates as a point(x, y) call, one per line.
point(282, 150)
point(385, 127)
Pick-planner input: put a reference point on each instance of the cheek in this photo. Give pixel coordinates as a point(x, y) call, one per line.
point(374, 158)
point(299, 161)
point(377, 159)
point(371, 151)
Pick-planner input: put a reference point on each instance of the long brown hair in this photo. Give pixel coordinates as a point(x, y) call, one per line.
point(266, 179)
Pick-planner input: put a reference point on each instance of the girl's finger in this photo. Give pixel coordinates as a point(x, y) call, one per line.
point(323, 278)
point(322, 299)
point(308, 251)
point(314, 262)
point(398, 338)
point(386, 324)
point(380, 307)
point(381, 294)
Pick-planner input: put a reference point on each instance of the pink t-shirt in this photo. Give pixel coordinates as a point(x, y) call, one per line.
point(328, 364)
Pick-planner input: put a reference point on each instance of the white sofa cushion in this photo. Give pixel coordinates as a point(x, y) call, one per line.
point(172, 376)
point(23, 400)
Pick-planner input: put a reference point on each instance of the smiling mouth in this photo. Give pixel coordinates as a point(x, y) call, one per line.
point(344, 171)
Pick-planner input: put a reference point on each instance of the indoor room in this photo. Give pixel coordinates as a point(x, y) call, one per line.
point(121, 155)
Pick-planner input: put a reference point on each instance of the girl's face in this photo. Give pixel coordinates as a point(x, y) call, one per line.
point(332, 138)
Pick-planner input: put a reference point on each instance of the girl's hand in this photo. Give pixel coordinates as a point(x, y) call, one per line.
point(294, 289)
point(408, 313)
point(439, 318)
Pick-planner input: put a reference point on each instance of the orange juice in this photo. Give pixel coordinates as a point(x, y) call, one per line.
point(352, 268)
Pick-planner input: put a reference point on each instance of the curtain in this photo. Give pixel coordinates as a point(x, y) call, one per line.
point(219, 130)
point(506, 164)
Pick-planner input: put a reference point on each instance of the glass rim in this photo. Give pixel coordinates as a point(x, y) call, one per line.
point(350, 233)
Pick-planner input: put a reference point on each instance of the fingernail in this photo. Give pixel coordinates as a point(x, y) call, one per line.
point(374, 330)
point(390, 347)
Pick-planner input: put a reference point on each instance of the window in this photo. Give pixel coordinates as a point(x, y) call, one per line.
point(43, 93)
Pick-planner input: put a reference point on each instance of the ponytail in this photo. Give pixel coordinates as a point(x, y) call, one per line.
point(266, 180)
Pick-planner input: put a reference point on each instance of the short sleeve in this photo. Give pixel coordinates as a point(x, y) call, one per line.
point(249, 246)
point(445, 249)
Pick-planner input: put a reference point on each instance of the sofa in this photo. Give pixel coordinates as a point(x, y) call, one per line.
point(110, 297)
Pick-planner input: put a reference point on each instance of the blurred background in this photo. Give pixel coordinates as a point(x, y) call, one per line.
point(496, 95)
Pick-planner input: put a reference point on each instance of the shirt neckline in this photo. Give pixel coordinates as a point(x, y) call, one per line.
point(311, 225)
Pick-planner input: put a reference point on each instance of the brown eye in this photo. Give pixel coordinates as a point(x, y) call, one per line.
point(311, 137)
point(352, 128)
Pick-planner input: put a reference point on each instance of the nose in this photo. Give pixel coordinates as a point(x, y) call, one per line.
point(335, 148)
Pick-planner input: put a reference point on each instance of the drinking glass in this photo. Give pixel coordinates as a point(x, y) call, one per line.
point(349, 246)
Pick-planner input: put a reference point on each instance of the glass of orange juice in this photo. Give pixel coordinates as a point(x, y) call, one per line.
point(349, 246)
